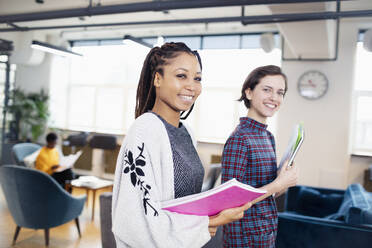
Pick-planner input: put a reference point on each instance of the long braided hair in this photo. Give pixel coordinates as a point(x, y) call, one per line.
point(154, 62)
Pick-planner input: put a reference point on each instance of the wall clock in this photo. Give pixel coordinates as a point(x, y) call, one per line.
point(312, 85)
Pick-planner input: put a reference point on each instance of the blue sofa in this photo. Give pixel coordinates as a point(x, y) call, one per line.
point(321, 217)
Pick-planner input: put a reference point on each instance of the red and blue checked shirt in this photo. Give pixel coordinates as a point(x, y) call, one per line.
point(249, 156)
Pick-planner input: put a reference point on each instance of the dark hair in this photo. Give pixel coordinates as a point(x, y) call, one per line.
point(154, 62)
point(51, 137)
point(256, 75)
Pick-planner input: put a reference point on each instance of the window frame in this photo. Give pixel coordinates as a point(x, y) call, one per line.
point(355, 149)
point(131, 87)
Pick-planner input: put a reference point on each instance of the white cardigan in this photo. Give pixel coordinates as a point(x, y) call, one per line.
point(144, 177)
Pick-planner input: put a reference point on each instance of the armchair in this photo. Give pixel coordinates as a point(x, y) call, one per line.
point(36, 201)
point(21, 150)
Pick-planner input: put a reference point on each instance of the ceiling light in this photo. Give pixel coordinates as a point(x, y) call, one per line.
point(129, 38)
point(267, 42)
point(53, 49)
point(367, 40)
point(160, 41)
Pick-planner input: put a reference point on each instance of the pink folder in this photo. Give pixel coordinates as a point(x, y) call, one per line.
point(228, 195)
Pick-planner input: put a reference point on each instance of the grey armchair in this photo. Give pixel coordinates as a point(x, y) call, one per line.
point(21, 150)
point(36, 201)
point(105, 202)
point(212, 176)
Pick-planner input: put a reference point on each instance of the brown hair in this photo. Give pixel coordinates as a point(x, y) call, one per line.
point(154, 62)
point(256, 75)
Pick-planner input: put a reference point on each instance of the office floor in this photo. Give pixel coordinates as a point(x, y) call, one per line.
point(64, 236)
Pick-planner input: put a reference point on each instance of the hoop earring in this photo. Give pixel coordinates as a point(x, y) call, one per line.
point(188, 113)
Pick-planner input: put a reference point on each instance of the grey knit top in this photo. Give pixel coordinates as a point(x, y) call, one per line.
point(144, 178)
point(188, 169)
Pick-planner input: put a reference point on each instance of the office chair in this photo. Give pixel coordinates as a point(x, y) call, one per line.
point(107, 237)
point(212, 176)
point(99, 143)
point(75, 140)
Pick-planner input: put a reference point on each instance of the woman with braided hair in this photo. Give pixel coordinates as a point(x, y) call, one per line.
point(158, 160)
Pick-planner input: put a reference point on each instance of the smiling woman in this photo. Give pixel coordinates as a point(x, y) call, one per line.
point(249, 156)
point(177, 87)
point(158, 160)
point(174, 75)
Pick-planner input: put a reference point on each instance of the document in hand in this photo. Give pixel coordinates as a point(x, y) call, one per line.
point(293, 146)
point(208, 203)
point(67, 162)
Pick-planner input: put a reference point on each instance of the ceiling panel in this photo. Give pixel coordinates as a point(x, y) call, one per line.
point(288, 29)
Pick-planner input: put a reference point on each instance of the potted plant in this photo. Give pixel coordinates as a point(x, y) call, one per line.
point(30, 114)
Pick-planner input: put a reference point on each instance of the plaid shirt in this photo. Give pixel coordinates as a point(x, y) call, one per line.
point(249, 156)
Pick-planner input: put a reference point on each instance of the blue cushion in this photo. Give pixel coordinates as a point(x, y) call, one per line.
point(345, 206)
point(311, 202)
point(357, 205)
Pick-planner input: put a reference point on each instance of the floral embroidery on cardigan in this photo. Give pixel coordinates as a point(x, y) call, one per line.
point(133, 166)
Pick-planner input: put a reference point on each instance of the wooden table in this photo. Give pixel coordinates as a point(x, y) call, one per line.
point(90, 183)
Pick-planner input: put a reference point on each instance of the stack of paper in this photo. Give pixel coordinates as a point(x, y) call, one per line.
point(67, 162)
point(91, 182)
point(293, 146)
point(208, 203)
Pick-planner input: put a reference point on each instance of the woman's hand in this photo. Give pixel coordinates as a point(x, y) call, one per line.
point(212, 230)
point(234, 214)
point(228, 215)
point(287, 176)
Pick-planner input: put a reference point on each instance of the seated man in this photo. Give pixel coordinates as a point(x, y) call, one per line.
point(48, 161)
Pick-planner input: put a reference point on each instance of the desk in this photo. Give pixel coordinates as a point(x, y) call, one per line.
point(91, 183)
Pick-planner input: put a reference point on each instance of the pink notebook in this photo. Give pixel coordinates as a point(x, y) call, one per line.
point(228, 195)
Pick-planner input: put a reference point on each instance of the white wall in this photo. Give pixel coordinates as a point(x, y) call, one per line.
point(358, 164)
point(206, 150)
point(33, 78)
point(324, 159)
point(33, 66)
